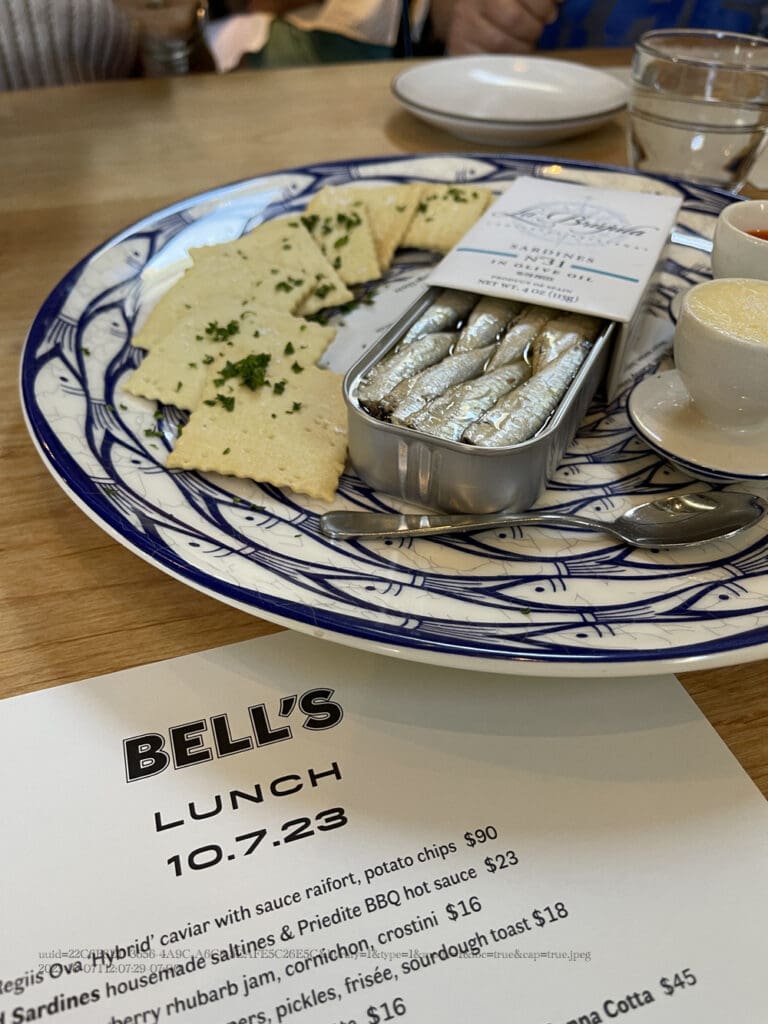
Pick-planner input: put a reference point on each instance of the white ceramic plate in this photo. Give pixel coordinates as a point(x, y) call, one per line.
point(538, 602)
point(507, 99)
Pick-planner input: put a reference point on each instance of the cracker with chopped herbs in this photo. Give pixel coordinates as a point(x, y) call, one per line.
point(175, 370)
point(342, 228)
point(265, 283)
point(288, 238)
point(444, 215)
point(391, 209)
point(222, 342)
point(270, 418)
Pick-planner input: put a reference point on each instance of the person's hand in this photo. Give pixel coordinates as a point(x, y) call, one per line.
point(496, 26)
point(165, 19)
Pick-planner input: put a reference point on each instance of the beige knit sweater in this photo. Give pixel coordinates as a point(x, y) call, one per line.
point(53, 42)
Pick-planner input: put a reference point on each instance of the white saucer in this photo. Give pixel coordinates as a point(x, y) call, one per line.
point(504, 99)
point(661, 411)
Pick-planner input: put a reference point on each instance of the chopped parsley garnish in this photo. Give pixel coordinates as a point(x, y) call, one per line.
point(348, 221)
point(297, 368)
point(218, 333)
point(289, 349)
point(289, 284)
point(251, 369)
point(227, 401)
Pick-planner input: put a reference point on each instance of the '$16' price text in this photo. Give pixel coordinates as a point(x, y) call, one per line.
point(289, 832)
point(386, 1011)
point(541, 916)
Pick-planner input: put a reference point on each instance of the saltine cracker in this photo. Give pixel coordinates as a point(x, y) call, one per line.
point(294, 436)
point(175, 371)
point(444, 215)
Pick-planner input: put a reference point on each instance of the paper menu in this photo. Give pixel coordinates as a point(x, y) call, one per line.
point(335, 836)
point(574, 247)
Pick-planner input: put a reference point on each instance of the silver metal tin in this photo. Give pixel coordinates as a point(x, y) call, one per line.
point(451, 475)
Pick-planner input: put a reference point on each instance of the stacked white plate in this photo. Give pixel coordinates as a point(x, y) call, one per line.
point(494, 99)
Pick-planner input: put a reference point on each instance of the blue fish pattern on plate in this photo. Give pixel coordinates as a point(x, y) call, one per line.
point(537, 602)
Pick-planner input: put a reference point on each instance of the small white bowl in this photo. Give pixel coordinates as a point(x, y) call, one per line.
point(721, 351)
point(493, 98)
point(736, 253)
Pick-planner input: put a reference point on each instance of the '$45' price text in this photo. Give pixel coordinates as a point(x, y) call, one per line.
point(289, 832)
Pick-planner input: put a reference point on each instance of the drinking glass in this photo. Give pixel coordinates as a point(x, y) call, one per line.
point(699, 105)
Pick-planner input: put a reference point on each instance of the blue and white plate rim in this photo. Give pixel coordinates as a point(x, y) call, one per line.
point(403, 634)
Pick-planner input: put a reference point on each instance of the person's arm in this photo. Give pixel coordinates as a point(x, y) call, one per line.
point(491, 26)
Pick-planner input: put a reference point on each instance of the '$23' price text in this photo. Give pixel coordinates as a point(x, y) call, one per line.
point(494, 862)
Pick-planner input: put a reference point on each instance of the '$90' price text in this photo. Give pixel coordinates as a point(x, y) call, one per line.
point(289, 832)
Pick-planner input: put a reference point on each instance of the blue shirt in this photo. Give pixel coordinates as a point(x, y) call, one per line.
point(622, 22)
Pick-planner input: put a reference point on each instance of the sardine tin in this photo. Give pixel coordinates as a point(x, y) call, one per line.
point(451, 475)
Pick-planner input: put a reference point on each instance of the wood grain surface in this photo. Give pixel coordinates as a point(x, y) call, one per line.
point(78, 164)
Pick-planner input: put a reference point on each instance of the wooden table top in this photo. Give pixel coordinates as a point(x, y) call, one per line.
point(80, 163)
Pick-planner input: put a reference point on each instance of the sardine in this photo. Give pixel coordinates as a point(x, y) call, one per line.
point(449, 415)
point(401, 365)
point(411, 395)
point(448, 310)
point(559, 334)
point(486, 322)
point(517, 416)
point(520, 335)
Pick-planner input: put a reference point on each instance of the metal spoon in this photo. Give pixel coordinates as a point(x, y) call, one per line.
point(664, 523)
